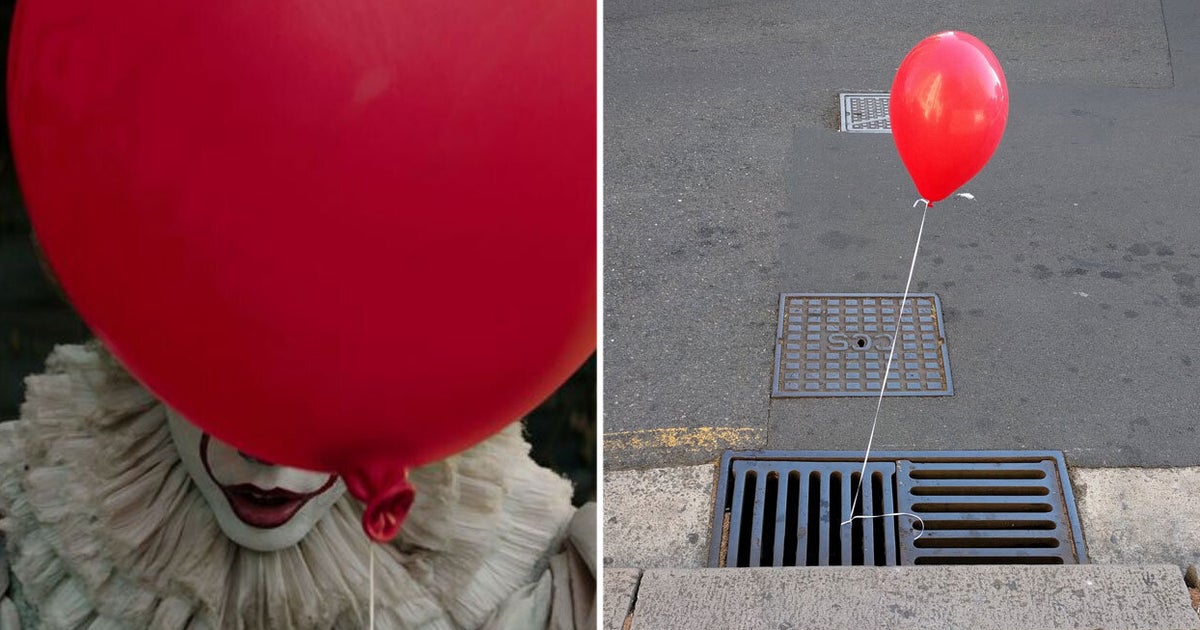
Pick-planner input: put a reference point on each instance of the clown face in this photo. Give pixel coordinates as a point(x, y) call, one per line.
point(258, 505)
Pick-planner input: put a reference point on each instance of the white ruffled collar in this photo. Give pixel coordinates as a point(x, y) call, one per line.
point(104, 525)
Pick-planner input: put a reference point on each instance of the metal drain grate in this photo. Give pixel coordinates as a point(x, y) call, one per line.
point(789, 514)
point(836, 344)
point(865, 113)
point(979, 507)
point(986, 512)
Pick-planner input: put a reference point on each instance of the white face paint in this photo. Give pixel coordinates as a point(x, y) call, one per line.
point(258, 505)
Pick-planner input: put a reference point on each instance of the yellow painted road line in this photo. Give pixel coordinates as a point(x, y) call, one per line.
point(686, 438)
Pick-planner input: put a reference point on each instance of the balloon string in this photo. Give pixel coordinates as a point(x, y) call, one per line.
point(920, 532)
point(887, 371)
point(371, 585)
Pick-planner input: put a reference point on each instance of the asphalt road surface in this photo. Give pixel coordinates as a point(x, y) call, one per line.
point(1069, 285)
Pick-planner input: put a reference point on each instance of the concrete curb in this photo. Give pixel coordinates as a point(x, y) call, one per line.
point(1011, 597)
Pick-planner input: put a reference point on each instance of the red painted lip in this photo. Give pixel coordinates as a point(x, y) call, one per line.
point(265, 509)
point(256, 507)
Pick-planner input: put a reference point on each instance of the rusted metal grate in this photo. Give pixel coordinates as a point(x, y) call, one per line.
point(777, 508)
point(986, 512)
point(865, 113)
point(836, 344)
point(790, 514)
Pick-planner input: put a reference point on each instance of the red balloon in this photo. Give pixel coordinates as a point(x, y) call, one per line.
point(353, 236)
point(948, 107)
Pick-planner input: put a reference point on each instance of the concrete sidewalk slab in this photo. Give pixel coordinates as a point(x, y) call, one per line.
point(620, 590)
point(975, 597)
point(1139, 515)
point(659, 517)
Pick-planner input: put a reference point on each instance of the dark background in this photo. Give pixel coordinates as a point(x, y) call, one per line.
point(34, 317)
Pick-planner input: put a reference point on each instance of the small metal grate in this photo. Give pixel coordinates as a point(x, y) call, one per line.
point(865, 113)
point(979, 507)
point(836, 344)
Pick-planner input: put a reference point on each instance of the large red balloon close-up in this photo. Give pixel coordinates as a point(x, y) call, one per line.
point(948, 108)
point(351, 236)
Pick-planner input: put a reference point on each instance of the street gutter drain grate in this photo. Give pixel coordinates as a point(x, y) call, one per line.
point(865, 113)
point(786, 508)
point(836, 344)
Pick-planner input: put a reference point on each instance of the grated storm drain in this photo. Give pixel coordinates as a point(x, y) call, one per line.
point(979, 507)
point(836, 344)
point(865, 113)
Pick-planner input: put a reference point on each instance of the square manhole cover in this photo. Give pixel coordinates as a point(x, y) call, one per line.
point(790, 508)
point(865, 113)
point(836, 344)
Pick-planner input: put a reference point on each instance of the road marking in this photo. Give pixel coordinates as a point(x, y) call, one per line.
point(688, 438)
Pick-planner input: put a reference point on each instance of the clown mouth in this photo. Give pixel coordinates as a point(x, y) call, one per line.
point(256, 507)
point(265, 509)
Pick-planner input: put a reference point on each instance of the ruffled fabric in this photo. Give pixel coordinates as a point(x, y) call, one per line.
point(106, 530)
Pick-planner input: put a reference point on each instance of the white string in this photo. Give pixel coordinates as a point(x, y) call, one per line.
point(920, 532)
point(371, 585)
point(862, 474)
point(888, 368)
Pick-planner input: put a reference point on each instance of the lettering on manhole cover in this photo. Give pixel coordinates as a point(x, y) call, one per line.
point(865, 113)
point(836, 344)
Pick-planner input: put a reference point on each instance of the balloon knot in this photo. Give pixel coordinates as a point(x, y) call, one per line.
point(388, 497)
